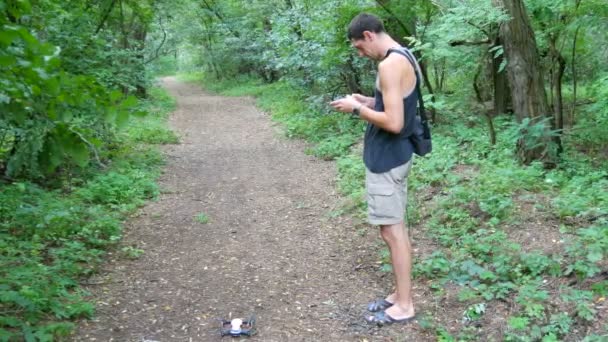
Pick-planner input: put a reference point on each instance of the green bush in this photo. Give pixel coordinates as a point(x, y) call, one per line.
point(51, 238)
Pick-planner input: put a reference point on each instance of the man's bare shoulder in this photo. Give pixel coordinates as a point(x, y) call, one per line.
point(395, 63)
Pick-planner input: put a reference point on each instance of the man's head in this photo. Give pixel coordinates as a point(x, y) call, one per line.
point(363, 33)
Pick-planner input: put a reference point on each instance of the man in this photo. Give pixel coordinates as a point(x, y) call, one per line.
point(387, 154)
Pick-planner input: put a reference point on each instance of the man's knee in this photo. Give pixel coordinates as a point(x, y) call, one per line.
point(390, 233)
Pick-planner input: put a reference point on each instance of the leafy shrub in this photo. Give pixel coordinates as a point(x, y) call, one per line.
point(591, 130)
point(52, 117)
point(585, 194)
point(51, 238)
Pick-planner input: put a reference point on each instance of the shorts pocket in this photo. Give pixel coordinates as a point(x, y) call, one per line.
point(382, 201)
point(399, 174)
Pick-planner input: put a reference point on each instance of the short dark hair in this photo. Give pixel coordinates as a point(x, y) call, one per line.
point(364, 22)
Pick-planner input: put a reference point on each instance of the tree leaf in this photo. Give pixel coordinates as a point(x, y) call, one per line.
point(7, 60)
point(129, 102)
point(122, 118)
point(7, 37)
point(595, 255)
point(79, 152)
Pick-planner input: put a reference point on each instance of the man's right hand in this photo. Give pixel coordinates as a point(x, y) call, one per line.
point(364, 100)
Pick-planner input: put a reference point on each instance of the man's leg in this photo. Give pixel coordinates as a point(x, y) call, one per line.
point(398, 241)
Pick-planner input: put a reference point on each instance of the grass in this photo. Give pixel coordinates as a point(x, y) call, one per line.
point(478, 197)
point(52, 237)
point(238, 86)
point(202, 218)
point(153, 129)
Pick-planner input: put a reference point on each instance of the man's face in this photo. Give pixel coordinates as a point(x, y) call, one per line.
point(365, 46)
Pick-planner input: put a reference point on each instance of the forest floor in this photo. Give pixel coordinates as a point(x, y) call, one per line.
point(273, 245)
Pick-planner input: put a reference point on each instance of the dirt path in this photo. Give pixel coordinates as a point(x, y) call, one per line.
point(271, 247)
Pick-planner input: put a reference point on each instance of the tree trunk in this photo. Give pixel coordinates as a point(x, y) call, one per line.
point(558, 102)
point(490, 128)
point(487, 114)
point(559, 106)
point(442, 77)
point(439, 74)
point(351, 78)
point(124, 42)
point(558, 74)
point(139, 35)
point(525, 78)
point(207, 44)
point(501, 84)
point(574, 78)
point(476, 86)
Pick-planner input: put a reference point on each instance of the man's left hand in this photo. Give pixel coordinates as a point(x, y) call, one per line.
point(345, 105)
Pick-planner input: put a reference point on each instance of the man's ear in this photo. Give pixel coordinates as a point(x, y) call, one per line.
point(368, 35)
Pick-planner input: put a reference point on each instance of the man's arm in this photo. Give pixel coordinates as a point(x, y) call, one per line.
point(365, 100)
point(390, 73)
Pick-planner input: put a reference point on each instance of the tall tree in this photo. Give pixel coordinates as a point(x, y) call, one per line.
point(526, 79)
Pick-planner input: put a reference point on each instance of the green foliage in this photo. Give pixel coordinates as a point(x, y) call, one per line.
point(50, 238)
point(152, 128)
point(238, 86)
point(595, 338)
point(351, 176)
point(132, 252)
point(164, 66)
point(533, 135)
point(202, 218)
point(53, 114)
point(587, 249)
point(478, 200)
point(584, 196)
point(333, 147)
point(590, 133)
point(436, 263)
point(600, 288)
point(474, 312)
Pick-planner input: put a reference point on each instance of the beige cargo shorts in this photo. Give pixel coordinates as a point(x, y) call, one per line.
point(387, 194)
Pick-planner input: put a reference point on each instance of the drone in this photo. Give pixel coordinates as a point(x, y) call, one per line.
point(237, 327)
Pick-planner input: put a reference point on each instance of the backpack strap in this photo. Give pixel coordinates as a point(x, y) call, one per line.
point(407, 54)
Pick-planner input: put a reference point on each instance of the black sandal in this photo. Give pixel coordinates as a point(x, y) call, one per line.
point(379, 305)
point(382, 318)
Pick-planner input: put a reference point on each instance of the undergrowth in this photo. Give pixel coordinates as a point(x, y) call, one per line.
point(477, 197)
point(481, 192)
point(54, 235)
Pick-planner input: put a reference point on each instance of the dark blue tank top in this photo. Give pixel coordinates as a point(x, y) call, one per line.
point(383, 150)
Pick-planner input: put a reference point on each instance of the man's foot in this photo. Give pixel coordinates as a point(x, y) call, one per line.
point(378, 305)
point(383, 318)
point(398, 312)
point(381, 304)
point(391, 298)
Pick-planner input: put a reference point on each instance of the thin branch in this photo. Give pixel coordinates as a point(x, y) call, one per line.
point(574, 71)
point(156, 55)
point(468, 43)
point(401, 24)
point(105, 16)
point(220, 17)
point(479, 28)
point(91, 146)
